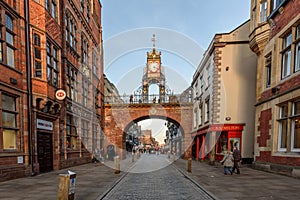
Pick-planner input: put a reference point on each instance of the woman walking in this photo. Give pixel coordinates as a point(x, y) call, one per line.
point(227, 162)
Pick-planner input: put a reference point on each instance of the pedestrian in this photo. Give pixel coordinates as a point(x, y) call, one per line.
point(227, 162)
point(131, 99)
point(236, 160)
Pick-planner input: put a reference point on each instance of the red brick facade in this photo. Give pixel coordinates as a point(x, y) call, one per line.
point(119, 117)
point(264, 127)
point(290, 10)
point(278, 83)
point(43, 134)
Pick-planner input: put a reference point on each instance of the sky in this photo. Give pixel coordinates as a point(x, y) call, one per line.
point(183, 31)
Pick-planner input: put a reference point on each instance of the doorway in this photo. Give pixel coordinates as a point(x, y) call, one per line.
point(44, 149)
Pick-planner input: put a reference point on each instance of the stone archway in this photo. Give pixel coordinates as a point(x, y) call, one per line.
point(119, 116)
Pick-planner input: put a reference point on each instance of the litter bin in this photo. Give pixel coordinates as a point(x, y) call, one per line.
point(66, 187)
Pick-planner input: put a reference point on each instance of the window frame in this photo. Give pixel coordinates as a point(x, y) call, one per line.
point(207, 111)
point(282, 119)
point(71, 31)
point(16, 125)
point(72, 135)
point(297, 50)
point(72, 83)
point(52, 8)
point(286, 56)
point(7, 47)
point(36, 60)
point(295, 117)
point(263, 11)
point(53, 63)
point(268, 68)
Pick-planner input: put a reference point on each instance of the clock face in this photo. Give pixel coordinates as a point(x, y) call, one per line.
point(153, 66)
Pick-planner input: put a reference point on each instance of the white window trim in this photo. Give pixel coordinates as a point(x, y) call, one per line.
point(195, 119)
point(263, 11)
point(297, 68)
point(280, 131)
point(293, 137)
point(279, 139)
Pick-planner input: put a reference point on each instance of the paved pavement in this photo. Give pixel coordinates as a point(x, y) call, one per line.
point(250, 184)
point(154, 177)
point(95, 179)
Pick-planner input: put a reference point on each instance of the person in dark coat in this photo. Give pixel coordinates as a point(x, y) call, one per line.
point(236, 160)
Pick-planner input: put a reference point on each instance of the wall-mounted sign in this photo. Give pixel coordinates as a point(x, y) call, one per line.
point(20, 160)
point(43, 124)
point(60, 94)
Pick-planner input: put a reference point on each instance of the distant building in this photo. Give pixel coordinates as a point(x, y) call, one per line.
point(224, 97)
point(275, 38)
point(111, 93)
point(147, 138)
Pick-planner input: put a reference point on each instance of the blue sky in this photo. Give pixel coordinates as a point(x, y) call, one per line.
point(183, 29)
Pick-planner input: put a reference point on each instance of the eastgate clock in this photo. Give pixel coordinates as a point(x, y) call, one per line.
point(153, 66)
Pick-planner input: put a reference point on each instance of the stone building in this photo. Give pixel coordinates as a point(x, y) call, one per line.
point(275, 38)
point(53, 53)
point(224, 97)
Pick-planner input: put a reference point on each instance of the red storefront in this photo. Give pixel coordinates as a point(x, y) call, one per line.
point(226, 137)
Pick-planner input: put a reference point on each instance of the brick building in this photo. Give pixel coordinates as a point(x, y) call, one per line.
point(50, 46)
point(275, 38)
point(223, 113)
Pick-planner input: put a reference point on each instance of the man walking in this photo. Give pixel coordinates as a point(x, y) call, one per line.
point(236, 160)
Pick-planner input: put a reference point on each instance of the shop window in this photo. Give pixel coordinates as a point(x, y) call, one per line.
point(283, 122)
point(222, 143)
point(71, 130)
point(234, 142)
point(9, 121)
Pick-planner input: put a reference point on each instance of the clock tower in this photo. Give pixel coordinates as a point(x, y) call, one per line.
point(153, 74)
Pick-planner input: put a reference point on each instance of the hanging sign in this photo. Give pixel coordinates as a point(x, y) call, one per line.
point(60, 94)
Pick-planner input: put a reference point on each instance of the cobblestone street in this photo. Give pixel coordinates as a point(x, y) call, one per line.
point(152, 177)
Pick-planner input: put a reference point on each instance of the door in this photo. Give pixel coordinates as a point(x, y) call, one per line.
point(44, 145)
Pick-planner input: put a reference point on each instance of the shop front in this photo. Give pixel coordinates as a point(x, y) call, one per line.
point(226, 137)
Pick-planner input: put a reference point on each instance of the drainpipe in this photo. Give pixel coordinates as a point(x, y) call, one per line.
point(29, 84)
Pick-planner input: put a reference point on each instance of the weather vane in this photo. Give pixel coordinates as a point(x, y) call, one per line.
point(153, 40)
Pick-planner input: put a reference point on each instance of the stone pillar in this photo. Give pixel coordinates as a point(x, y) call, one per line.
point(212, 148)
